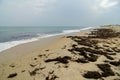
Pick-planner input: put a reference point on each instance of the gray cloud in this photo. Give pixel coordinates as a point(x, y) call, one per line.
point(58, 12)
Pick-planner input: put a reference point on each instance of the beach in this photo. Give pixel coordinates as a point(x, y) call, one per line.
point(85, 55)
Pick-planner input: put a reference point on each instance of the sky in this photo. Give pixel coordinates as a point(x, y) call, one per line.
point(59, 12)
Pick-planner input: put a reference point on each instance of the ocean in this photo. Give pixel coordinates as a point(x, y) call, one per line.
point(12, 36)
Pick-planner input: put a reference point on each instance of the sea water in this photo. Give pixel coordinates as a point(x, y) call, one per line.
point(12, 36)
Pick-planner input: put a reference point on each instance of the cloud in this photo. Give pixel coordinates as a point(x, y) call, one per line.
point(108, 3)
point(37, 6)
point(23, 11)
point(59, 12)
point(101, 5)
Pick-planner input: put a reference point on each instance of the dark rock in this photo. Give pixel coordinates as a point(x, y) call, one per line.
point(106, 68)
point(12, 75)
point(92, 75)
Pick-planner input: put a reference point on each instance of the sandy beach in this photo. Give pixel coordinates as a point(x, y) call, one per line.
point(84, 55)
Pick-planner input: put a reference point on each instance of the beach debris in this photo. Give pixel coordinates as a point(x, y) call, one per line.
point(115, 63)
point(64, 47)
point(35, 58)
point(51, 76)
point(92, 58)
point(51, 72)
point(92, 75)
point(104, 33)
point(106, 68)
point(74, 45)
point(23, 71)
point(66, 66)
point(117, 79)
point(40, 55)
point(47, 50)
point(108, 50)
point(59, 59)
point(12, 65)
point(41, 68)
point(82, 60)
point(33, 65)
point(116, 49)
point(109, 57)
point(34, 72)
point(12, 75)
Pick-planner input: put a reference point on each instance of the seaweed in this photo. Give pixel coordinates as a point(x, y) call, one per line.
point(63, 60)
point(106, 68)
point(104, 33)
point(92, 75)
point(115, 63)
point(12, 75)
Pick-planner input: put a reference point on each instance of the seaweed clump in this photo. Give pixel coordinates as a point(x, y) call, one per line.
point(92, 75)
point(104, 33)
point(106, 68)
point(63, 60)
point(12, 75)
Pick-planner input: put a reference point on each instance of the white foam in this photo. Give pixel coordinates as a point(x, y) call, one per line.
point(7, 45)
point(77, 30)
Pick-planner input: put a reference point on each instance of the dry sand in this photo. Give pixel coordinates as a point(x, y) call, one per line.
point(58, 59)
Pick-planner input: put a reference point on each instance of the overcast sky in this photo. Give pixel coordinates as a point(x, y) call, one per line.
point(59, 12)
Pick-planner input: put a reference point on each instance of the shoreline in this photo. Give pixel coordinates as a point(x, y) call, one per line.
point(66, 57)
point(10, 44)
point(15, 51)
